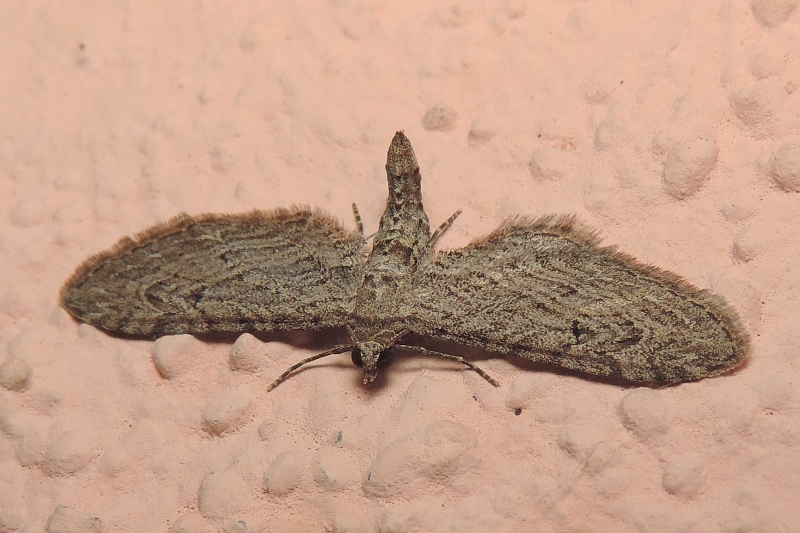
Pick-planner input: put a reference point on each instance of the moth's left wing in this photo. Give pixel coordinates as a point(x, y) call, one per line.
point(544, 290)
point(286, 269)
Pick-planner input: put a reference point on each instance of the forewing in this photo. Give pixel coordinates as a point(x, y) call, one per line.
point(260, 271)
point(545, 290)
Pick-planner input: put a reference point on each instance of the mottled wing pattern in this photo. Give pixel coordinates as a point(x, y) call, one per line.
point(543, 289)
point(261, 271)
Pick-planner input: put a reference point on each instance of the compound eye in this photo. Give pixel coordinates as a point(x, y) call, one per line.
point(355, 355)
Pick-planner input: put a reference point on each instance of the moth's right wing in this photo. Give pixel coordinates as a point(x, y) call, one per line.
point(286, 269)
point(543, 289)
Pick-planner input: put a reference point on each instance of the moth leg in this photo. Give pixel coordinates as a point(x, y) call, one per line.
point(446, 224)
point(352, 334)
point(339, 348)
point(458, 358)
point(359, 222)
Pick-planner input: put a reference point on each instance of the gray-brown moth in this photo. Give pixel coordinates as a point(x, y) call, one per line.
point(542, 289)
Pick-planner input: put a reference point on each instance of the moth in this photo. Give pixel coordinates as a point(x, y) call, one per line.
point(542, 289)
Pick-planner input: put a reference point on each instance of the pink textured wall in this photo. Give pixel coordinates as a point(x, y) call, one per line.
point(674, 128)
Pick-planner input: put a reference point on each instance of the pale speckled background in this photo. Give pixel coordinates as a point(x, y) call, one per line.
point(672, 127)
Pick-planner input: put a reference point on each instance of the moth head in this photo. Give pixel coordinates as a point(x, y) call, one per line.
point(369, 355)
